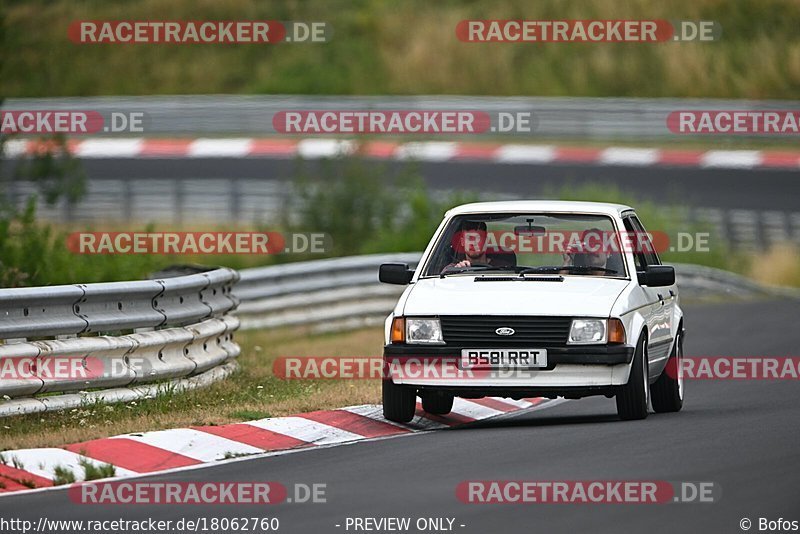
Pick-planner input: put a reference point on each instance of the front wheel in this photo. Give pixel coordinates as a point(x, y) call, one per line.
point(668, 389)
point(399, 403)
point(632, 397)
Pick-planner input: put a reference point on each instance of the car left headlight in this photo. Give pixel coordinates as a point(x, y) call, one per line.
point(424, 331)
point(588, 332)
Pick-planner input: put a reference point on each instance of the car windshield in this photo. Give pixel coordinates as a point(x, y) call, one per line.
point(528, 243)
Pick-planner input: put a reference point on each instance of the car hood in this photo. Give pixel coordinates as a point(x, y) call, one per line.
point(462, 295)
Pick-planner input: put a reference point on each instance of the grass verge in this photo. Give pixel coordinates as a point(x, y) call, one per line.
point(779, 266)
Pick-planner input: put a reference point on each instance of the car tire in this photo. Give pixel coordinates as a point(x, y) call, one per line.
point(632, 397)
point(399, 402)
point(437, 402)
point(668, 389)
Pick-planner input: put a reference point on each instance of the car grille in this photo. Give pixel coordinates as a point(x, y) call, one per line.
point(479, 331)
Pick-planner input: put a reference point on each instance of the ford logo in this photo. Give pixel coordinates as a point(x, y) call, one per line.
point(505, 331)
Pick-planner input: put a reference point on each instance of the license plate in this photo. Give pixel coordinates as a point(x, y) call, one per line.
point(503, 358)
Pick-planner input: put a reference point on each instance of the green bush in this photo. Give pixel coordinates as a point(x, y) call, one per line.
point(367, 209)
point(33, 253)
point(346, 201)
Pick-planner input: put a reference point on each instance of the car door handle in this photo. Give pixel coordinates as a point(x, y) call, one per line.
point(671, 293)
point(661, 298)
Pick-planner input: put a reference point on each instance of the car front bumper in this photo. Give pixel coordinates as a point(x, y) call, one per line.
point(578, 368)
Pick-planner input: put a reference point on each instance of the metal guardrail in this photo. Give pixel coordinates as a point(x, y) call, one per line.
point(124, 334)
point(115, 306)
point(331, 294)
point(554, 117)
point(341, 293)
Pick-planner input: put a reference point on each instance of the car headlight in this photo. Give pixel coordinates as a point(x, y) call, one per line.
point(424, 332)
point(587, 332)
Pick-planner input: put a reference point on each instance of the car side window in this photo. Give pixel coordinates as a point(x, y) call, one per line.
point(648, 248)
point(638, 257)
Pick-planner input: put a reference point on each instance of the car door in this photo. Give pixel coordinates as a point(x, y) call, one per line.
point(660, 327)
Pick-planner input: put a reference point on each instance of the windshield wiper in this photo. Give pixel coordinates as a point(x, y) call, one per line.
point(588, 268)
point(570, 268)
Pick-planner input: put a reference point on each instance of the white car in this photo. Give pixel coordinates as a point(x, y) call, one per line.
point(535, 299)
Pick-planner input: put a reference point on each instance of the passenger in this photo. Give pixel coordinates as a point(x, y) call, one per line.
point(590, 252)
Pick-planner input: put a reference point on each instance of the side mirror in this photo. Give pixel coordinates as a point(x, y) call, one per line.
point(395, 273)
point(657, 276)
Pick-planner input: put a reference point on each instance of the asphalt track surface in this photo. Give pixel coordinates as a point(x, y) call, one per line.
point(742, 435)
point(755, 189)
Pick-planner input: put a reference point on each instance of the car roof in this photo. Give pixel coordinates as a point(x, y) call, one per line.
point(541, 206)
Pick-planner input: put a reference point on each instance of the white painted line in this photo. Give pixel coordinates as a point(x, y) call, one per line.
point(474, 410)
point(109, 148)
point(193, 443)
point(324, 148)
point(525, 154)
point(15, 147)
point(215, 148)
point(43, 462)
point(427, 151)
point(306, 430)
point(629, 156)
point(734, 159)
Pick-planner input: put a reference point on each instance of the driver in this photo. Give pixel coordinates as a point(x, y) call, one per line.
point(472, 240)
